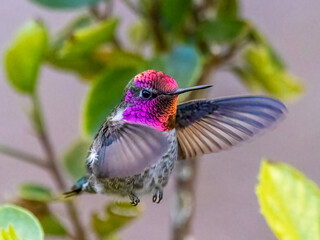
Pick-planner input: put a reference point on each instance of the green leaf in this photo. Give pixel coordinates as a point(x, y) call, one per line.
point(86, 39)
point(8, 235)
point(35, 192)
point(25, 225)
point(183, 63)
point(117, 216)
point(260, 72)
point(223, 31)
point(259, 39)
point(227, 9)
point(289, 201)
point(75, 157)
point(24, 56)
point(52, 226)
point(103, 96)
point(66, 4)
point(175, 12)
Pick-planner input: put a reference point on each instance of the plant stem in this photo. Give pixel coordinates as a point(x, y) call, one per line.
point(186, 171)
point(53, 167)
point(23, 156)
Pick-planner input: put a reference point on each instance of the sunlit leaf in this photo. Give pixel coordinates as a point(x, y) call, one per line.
point(183, 63)
point(223, 31)
point(49, 222)
point(259, 39)
point(117, 216)
point(289, 201)
point(24, 56)
point(66, 4)
point(25, 225)
point(52, 226)
point(75, 157)
point(88, 38)
point(227, 9)
point(175, 12)
point(35, 192)
point(260, 72)
point(8, 235)
point(104, 95)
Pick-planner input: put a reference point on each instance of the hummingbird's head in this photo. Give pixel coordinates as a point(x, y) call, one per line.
point(151, 99)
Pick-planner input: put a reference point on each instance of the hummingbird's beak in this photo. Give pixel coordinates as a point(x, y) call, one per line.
point(184, 90)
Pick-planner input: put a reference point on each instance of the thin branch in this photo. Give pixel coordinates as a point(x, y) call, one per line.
point(53, 167)
point(23, 156)
point(186, 171)
point(161, 44)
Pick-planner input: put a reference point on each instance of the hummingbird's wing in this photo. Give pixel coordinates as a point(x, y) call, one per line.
point(125, 149)
point(210, 126)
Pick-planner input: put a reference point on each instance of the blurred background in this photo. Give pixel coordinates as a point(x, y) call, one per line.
point(226, 204)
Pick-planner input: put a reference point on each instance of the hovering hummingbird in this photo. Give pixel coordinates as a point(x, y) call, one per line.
point(135, 150)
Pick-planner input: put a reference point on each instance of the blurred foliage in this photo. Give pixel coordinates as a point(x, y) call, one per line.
point(116, 216)
point(187, 40)
point(18, 223)
point(289, 201)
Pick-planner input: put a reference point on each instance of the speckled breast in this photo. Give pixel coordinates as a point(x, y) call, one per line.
point(155, 177)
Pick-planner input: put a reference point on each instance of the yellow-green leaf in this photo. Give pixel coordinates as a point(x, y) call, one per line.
point(24, 56)
point(88, 38)
point(227, 9)
point(25, 225)
point(117, 216)
point(8, 235)
point(260, 72)
point(289, 202)
point(35, 192)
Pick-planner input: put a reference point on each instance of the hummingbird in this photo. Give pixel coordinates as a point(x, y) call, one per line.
point(137, 146)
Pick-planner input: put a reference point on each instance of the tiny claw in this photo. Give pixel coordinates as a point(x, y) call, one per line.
point(154, 198)
point(160, 197)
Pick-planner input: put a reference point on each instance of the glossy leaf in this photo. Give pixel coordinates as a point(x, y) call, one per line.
point(25, 225)
point(223, 31)
point(261, 73)
point(75, 158)
point(88, 38)
point(289, 201)
point(35, 192)
point(66, 4)
point(25, 55)
point(52, 226)
point(117, 216)
point(227, 9)
point(104, 95)
point(174, 12)
point(183, 63)
point(8, 235)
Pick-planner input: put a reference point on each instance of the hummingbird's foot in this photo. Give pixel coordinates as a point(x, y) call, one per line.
point(134, 199)
point(157, 197)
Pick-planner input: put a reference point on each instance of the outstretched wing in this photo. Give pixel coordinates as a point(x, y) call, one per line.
point(125, 149)
point(210, 126)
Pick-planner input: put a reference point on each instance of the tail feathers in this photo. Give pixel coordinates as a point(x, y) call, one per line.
point(77, 188)
point(73, 192)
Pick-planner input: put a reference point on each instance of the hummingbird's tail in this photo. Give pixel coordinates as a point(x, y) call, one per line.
point(77, 188)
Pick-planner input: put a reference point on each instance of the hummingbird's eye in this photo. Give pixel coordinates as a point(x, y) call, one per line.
point(145, 93)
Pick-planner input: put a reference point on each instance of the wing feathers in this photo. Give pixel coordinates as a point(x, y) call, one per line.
point(211, 126)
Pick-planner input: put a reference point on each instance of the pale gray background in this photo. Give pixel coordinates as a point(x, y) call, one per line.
point(227, 207)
